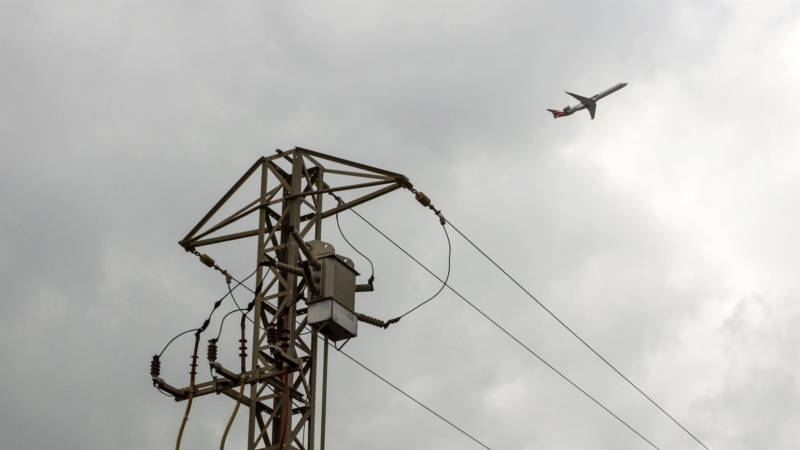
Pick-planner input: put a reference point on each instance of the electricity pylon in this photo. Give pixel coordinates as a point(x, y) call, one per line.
point(293, 277)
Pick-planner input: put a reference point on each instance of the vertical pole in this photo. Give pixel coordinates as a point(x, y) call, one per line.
point(287, 301)
point(292, 250)
point(320, 186)
point(262, 222)
point(312, 426)
point(313, 384)
point(324, 393)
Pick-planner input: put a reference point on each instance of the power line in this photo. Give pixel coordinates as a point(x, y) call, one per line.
point(222, 322)
point(574, 334)
point(505, 331)
point(216, 305)
point(444, 283)
point(173, 339)
point(372, 267)
point(412, 398)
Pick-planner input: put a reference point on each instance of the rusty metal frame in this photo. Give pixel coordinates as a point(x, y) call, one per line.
point(279, 293)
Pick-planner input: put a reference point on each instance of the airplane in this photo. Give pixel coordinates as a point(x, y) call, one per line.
point(585, 103)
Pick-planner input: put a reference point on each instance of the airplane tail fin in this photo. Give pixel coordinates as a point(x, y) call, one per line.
point(556, 113)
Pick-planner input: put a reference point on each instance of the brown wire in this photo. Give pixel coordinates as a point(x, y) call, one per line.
point(191, 390)
point(185, 419)
point(233, 416)
point(284, 414)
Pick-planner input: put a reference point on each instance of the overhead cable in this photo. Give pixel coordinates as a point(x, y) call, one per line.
point(574, 334)
point(176, 337)
point(444, 283)
point(216, 305)
point(222, 322)
point(506, 332)
point(412, 398)
point(372, 267)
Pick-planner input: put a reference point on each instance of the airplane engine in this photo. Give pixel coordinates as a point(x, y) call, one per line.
point(566, 108)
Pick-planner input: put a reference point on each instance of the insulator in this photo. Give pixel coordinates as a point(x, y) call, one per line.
point(371, 320)
point(207, 260)
point(272, 334)
point(212, 351)
point(287, 268)
point(304, 247)
point(285, 339)
point(423, 199)
point(243, 348)
point(365, 287)
point(155, 368)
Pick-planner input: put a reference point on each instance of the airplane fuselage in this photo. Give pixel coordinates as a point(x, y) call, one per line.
point(586, 103)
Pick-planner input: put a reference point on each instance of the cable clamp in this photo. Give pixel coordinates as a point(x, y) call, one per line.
point(391, 321)
point(442, 220)
point(406, 183)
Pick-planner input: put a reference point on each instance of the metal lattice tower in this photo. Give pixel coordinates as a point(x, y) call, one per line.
point(289, 208)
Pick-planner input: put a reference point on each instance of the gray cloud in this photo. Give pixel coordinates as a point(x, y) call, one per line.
point(663, 232)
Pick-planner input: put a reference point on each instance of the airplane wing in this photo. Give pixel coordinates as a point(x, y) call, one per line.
point(584, 100)
point(591, 107)
point(590, 104)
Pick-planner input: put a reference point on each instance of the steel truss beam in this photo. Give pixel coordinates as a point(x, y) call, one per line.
point(283, 374)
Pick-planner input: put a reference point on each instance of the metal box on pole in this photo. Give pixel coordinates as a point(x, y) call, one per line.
point(331, 311)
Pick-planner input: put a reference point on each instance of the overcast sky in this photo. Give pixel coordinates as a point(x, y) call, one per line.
point(664, 232)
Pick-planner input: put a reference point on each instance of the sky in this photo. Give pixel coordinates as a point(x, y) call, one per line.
point(664, 232)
